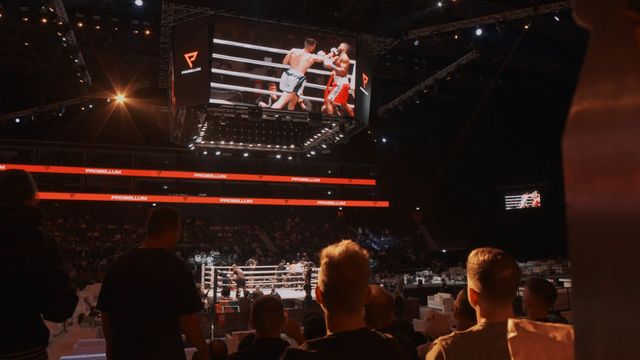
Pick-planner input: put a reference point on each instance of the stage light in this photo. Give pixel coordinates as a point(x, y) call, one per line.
point(384, 140)
point(526, 26)
point(26, 44)
point(416, 43)
point(25, 19)
point(120, 98)
point(218, 153)
point(97, 27)
point(80, 24)
point(147, 32)
point(154, 204)
point(439, 3)
point(329, 192)
point(17, 120)
point(138, 2)
point(290, 158)
point(278, 156)
point(90, 106)
point(1, 15)
point(478, 31)
point(556, 17)
point(44, 20)
point(245, 154)
point(417, 208)
point(444, 250)
point(82, 108)
point(205, 152)
point(340, 208)
point(312, 152)
point(455, 36)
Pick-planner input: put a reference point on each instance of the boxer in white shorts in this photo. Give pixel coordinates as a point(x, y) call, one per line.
point(293, 79)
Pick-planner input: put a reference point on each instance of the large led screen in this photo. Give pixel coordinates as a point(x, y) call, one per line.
point(284, 67)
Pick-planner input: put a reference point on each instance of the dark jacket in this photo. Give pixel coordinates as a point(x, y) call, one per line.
point(34, 282)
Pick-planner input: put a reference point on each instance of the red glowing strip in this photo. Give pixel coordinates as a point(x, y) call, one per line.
point(208, 200)
point(185, 174)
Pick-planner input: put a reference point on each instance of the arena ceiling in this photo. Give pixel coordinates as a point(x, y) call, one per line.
point(119, 42)
point(450, 149)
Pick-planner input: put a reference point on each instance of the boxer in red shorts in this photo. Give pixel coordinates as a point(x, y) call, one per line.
point(337, 91)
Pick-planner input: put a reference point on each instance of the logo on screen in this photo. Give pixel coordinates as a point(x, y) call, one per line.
point(191, 57)
point(365, 80)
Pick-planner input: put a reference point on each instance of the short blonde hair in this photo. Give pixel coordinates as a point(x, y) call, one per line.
point(344, 277)
point(494, 274)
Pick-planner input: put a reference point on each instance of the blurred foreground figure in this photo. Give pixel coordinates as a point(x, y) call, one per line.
point(35, 285)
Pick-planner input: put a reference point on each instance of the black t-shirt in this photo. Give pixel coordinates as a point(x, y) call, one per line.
point(262, 349)
point(144, 292)
point(357, 344)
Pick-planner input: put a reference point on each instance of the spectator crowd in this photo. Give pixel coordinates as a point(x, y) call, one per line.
point(141, 270)
point(88, 245)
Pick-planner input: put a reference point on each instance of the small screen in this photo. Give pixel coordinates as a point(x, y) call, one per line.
point(523, 200)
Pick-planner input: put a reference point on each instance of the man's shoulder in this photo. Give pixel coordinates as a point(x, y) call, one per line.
point(491, 336)
point(243, 354)
point(363, 342)
point(456, 337)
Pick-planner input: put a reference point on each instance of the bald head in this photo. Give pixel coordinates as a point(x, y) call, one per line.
point(267, 316)
point(378, 313)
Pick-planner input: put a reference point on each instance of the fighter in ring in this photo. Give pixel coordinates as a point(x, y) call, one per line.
point(337, 91)
point(293, 80)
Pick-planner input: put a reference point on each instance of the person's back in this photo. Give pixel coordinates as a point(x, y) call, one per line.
point(34, 282)
point(267, 318)
point(493, 278)
point(539, 297)
point(301, 60)
point(362, 343)
point(482, 341)
point(378, 315)
point(148, 295)
point(342, 291)
point(144, 292)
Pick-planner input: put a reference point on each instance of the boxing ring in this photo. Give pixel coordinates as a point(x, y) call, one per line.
point(242, 61)
point(288, 283)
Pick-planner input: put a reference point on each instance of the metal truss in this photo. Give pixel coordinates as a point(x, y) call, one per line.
point(490, 19)
point(435, 77)
point(70, 38)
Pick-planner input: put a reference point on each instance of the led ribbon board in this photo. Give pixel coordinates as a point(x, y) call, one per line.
point(187, 175)
point(208, 200)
